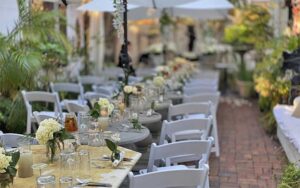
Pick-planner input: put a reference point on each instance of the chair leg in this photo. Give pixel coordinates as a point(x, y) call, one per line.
point(216, 147)
point(28, 125)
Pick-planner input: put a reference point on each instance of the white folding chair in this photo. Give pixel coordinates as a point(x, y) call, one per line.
point(103, 90)
point(214, 99)
point(178, 152)
point(192, 178)
point(75, 107)
point(69, 88)
point(186, 129)
point(191, 110)
point(11, 140)
point(90, 80)
point(40, 116)
point(40, 96)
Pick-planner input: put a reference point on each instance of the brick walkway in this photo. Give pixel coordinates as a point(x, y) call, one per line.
point(249, 157)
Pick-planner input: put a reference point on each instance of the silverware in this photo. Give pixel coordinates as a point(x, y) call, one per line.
point(84, 182)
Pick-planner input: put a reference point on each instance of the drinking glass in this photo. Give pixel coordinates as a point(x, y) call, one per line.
point(67, 163)
point(84, 120)
point(26, 159)
point(45, 181)
point(95, 139)
point(84, 164)
point(39, 167)
point(65, 182)
point(71, 123)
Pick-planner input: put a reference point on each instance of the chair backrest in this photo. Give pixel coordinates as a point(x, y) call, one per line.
point(199, 149)
point(192, 178)
point(75, 107)
point(189, 108)
point(92, 97)
point(199, 89)
point(11, 140)
point(67, 87)
point(102, 90)
point(39, 96)
point(90, 80)
point(189, 128)
point(203, 97)
point(40, 116)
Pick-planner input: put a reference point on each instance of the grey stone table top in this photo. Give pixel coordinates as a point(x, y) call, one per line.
point(130, 135)
point(144, 119)
point(163, 105)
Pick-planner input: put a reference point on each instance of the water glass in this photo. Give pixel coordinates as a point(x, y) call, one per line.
point(45, 181)
point(39, 167)
point(83, 138)
point(67, 163)
point(84, 164)
point(84, 120)
point(65, 182)
point(95, 140)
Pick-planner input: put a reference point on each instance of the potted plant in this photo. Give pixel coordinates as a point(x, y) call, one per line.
point(249, 29)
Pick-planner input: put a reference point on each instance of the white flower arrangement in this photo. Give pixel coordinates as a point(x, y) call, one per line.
point(159, 81)
point(4, 161)
point(104, 103)
point(128, 89)
point(46, 129)
point(116, 137)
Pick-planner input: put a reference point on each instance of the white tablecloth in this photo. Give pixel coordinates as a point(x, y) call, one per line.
point(289, 125)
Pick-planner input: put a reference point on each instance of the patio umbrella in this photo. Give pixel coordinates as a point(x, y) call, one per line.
point(200, 9)
point(101, 6)
point(159, 3)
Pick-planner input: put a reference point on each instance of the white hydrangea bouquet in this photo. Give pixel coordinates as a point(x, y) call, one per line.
point(102, 108)
point(52, 134)
point(8, 162)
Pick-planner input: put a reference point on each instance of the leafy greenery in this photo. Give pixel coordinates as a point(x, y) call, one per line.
point(271, 83)
point(290, 177)
point(30, 57)
point(136, 123)
point(250, 26)
point(113, 147)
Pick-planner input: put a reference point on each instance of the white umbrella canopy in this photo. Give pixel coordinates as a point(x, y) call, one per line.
point(159, 3)
point(101, 6)
point(207, 5)
point(200, 9)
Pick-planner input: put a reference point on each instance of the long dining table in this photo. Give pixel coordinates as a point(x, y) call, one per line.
point(102, 171)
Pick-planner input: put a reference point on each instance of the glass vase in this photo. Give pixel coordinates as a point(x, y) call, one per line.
point(51, 151)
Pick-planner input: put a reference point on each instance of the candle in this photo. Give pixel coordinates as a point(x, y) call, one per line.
point(103, 123)
point(25, 163)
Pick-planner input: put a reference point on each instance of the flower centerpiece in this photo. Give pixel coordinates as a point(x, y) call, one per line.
point(131, 90)
point(52, 134)
point(102, 111)
point(159, 82)
point(116, 155)
point(8, 162)
point(135, 121)
point(102, 108)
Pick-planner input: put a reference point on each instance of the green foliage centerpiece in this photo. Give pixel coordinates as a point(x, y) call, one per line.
point(116, 155)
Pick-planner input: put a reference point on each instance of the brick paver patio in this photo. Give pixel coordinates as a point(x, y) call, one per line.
point(249, 157)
